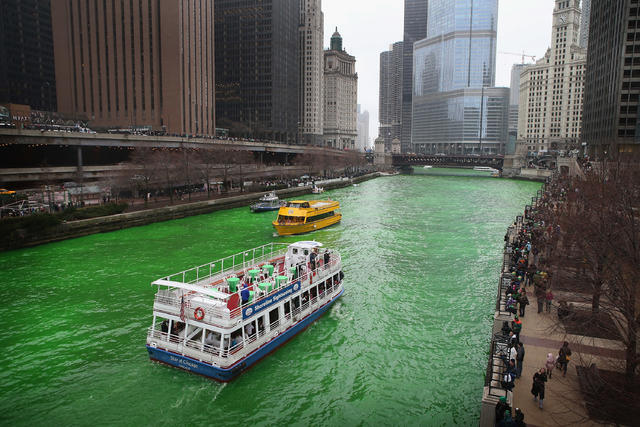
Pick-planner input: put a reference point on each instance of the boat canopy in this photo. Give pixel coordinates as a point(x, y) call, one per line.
point(190, 287)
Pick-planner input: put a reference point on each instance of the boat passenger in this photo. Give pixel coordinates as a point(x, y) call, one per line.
point(312, 259)
point(327, 257)
point(249, 330)
point(245, 295)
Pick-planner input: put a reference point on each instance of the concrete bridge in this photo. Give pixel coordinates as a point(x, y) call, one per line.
point(450, 160)
point(31, 157)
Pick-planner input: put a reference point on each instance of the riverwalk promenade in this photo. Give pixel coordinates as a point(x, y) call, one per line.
point(541, 334)
point(158, 211)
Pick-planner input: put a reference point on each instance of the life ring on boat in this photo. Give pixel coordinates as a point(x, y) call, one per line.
point(198, 313)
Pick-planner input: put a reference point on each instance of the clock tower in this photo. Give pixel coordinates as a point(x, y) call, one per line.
point(566, 28)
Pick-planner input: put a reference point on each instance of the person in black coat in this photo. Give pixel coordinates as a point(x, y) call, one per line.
point(537, 389)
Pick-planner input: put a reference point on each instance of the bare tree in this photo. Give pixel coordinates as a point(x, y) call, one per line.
point(166, 161)
point(145, 170)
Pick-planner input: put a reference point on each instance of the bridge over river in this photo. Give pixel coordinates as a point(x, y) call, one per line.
point(494, 161)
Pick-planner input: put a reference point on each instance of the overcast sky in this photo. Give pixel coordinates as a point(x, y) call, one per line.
point(368, 27)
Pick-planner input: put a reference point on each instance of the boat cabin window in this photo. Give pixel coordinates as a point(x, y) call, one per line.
point(321, 216)
point(296, 302)
point(212, 339)
point(236, 338)
point(260, 324)
point(287, 308)
point(298, 205)
point(274, 315)
point(313, 292)
point(321, 288)
point(294, 250)
point(306, 252)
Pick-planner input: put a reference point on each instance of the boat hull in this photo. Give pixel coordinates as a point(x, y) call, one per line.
point(228, 374)
point(288, 230)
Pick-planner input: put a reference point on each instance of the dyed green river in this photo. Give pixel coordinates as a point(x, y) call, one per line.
point(405, 345)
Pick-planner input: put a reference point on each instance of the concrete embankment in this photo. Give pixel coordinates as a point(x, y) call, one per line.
point(85, 227)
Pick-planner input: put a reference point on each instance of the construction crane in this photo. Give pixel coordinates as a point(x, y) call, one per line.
point(533, 58)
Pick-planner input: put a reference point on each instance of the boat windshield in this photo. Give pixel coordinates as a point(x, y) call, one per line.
point(297, 205)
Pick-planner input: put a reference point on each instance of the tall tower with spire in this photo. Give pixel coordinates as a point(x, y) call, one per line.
point(340, 96)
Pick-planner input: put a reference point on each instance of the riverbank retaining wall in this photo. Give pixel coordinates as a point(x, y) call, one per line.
point(85, 227)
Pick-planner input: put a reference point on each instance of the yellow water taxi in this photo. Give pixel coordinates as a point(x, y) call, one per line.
point(302, 216)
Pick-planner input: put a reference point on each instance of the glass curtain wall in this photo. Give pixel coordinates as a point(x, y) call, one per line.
point(455, 108)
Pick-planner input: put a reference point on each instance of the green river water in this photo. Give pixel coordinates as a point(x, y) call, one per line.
point(405, 345)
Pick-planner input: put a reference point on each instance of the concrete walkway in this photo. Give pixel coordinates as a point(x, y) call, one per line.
point(563, 403)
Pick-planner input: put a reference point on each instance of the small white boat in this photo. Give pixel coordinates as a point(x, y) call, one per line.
point(317, 190)
point(427, 166)
point(268, 202)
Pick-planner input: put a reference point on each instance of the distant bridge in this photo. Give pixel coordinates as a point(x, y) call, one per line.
point(450, 160)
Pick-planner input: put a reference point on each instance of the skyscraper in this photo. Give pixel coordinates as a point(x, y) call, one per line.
point(362, 142)
point(415, 28)
point(514, 97)
point(340, 96)
point(456, 109)
point(612, 80)
point(584, 23)
point(257, 68)
point(136, 64)
point(311, 71)
point(27, 73)
point(390, 95)
point(550, 112)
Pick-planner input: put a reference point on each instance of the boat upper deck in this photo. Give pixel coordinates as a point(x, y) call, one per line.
point(217, 287)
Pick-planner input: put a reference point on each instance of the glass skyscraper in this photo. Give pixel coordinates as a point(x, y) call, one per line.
point(456, 109)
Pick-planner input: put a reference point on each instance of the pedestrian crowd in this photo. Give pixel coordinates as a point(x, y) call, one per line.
point(528, 276)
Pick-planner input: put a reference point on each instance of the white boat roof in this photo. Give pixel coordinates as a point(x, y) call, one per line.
point(307, 244)
point(319, 204)
point(196, 288)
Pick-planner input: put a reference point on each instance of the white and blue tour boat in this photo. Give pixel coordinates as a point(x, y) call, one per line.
point(222, 317)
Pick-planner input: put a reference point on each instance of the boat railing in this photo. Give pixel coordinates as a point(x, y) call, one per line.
point(227, 355)
point(229, 264)
point(171, 301)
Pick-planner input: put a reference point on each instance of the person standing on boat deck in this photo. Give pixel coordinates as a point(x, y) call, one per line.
point(327, 258)
point(312, 259)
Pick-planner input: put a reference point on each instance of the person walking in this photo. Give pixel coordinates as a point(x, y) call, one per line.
point(550, 364)
point(537, 389)
point(564, 356)
point(540, 297)
point(519, 360)
point(548, 298)
point(524, 301)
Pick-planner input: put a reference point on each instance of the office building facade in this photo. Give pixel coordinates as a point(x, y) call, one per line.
point(390, 94)
point(136, 64)
point(340, 96)
point(551, 91)
point(27, 72)
point(415, 28)
point(456, 109)
point(257, 68)
point(311, 71)
point(612, 80)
